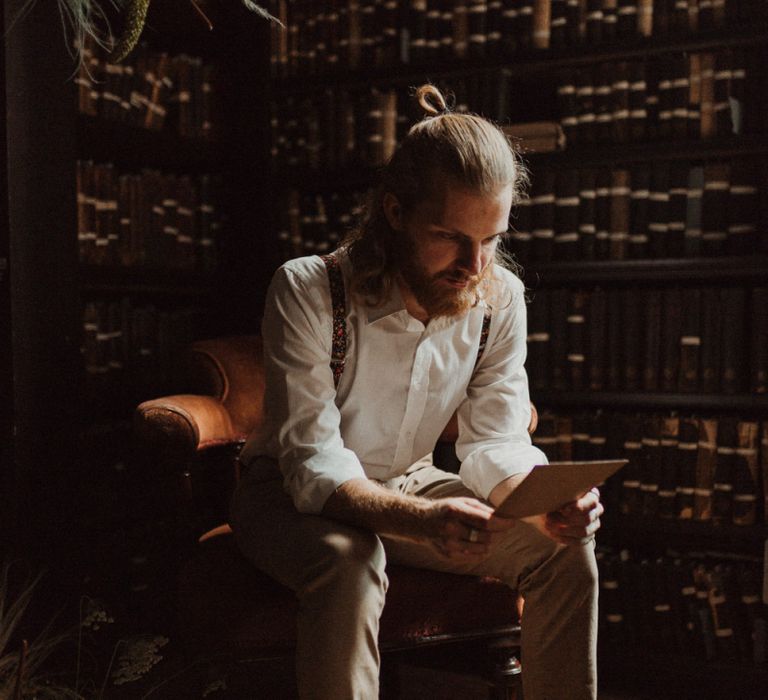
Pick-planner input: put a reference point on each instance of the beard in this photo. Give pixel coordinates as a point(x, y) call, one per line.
point(435, 296)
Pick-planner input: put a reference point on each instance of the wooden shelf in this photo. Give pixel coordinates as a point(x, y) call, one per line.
point(361, 175)
point(580, 156)
point(136, 148)
point(524, 65)
point(105, 279)
point(626, 400)
point(670, 270)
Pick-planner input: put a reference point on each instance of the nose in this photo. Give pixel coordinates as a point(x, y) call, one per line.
point(472, 259)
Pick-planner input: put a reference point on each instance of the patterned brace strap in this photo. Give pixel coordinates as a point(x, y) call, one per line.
point(339, 306)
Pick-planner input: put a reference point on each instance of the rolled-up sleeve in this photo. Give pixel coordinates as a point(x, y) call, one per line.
point(493, 441)
point(300, 392)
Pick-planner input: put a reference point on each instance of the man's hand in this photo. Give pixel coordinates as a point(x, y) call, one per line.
point(577, 522)
point(462, 527)
point(459, 528)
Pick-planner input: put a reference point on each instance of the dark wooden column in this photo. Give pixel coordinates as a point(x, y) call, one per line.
point(42, 306)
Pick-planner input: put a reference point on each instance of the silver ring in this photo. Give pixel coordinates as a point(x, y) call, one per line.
point(473, 534)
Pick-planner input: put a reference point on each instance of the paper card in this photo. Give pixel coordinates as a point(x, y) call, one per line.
point(550, 486)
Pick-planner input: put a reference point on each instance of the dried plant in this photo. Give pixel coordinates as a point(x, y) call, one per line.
point(21, 670)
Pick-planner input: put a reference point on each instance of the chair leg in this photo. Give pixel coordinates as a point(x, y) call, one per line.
point(507, 679)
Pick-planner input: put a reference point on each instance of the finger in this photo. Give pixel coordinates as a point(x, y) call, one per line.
point(569, 532)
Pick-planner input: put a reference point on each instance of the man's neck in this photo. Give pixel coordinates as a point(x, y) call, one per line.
point(412, 306)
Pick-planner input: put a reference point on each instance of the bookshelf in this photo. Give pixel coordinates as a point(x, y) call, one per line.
point(681, 183)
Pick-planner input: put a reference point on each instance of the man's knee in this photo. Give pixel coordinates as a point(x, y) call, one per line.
point(351, 561)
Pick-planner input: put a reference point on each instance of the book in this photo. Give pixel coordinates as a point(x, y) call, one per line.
point(548, 487)
point(706, 462)
point(578, 328)
point(746, 479)
point(758, 352)
point(597, 340)
point(735, 340)
point(652, 312)
point(687, 447)
point(690, 341)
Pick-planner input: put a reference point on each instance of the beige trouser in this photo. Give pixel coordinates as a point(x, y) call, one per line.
point(337, 572)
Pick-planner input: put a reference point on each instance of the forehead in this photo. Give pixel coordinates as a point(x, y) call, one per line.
point(468, 211)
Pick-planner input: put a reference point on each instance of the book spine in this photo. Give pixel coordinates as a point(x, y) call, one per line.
point(566, 225)
point(722, 482)
point(670, 468)
point(587, 230)
point(639, 213)
point(631, 500)
point(542, 19)
point(671, 332)
point(711, 340)
point(616, 338)
point(597, 339)
point(652, 344)
point(558, 315)
point(743, 209)
point(746, 478)
point(558, 24)
point(693, 211)
point(706, 461)
point(758, 361)
point(651, 467)
point(538, 340)
point(618, 235)
point(632, 333)
point(620, 99)
point(733, 302)
point(578, 330)
point(690, 341)
point(543, 215)
point(658, 211)
point(602, 214)
point(687, 447)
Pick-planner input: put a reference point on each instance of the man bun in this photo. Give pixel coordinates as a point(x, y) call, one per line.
point(431, 100)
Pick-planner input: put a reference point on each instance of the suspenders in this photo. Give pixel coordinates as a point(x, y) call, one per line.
point(338, 304)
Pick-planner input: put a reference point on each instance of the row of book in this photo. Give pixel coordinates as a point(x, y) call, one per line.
point(131, 350)
point(151, 90)
point(676, 96)
point(650, 210)
point(314, 224)
point(322, 37)
point(673, 339)
point(692, 606)
point(712, 469)
point(149, 219)
point(338, 128)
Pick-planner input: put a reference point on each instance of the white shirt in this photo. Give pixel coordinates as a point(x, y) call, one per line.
point(401, 384)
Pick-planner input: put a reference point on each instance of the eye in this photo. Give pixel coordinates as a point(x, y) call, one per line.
point(447, 236)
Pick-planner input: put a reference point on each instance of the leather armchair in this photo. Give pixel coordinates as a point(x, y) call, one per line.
point(224, 602)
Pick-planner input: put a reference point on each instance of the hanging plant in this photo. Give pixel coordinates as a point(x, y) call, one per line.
point(87, 19)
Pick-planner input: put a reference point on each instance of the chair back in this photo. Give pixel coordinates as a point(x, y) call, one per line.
point(231, 369)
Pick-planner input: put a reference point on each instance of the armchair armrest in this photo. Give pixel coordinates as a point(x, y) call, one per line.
point(184, 424)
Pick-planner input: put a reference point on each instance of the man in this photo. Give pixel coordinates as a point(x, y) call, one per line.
point(340, 479)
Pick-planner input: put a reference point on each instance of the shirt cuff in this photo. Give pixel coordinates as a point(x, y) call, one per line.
point(314, 481)
point(486, 468)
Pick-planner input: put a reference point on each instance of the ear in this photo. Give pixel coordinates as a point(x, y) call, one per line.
point(393, 211)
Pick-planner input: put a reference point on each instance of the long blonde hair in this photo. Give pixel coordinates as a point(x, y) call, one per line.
point(443, 148)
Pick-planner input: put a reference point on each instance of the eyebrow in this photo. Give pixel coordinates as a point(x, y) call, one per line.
point(464, 235)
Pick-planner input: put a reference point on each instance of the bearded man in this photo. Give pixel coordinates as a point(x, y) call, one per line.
point(368, 354)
